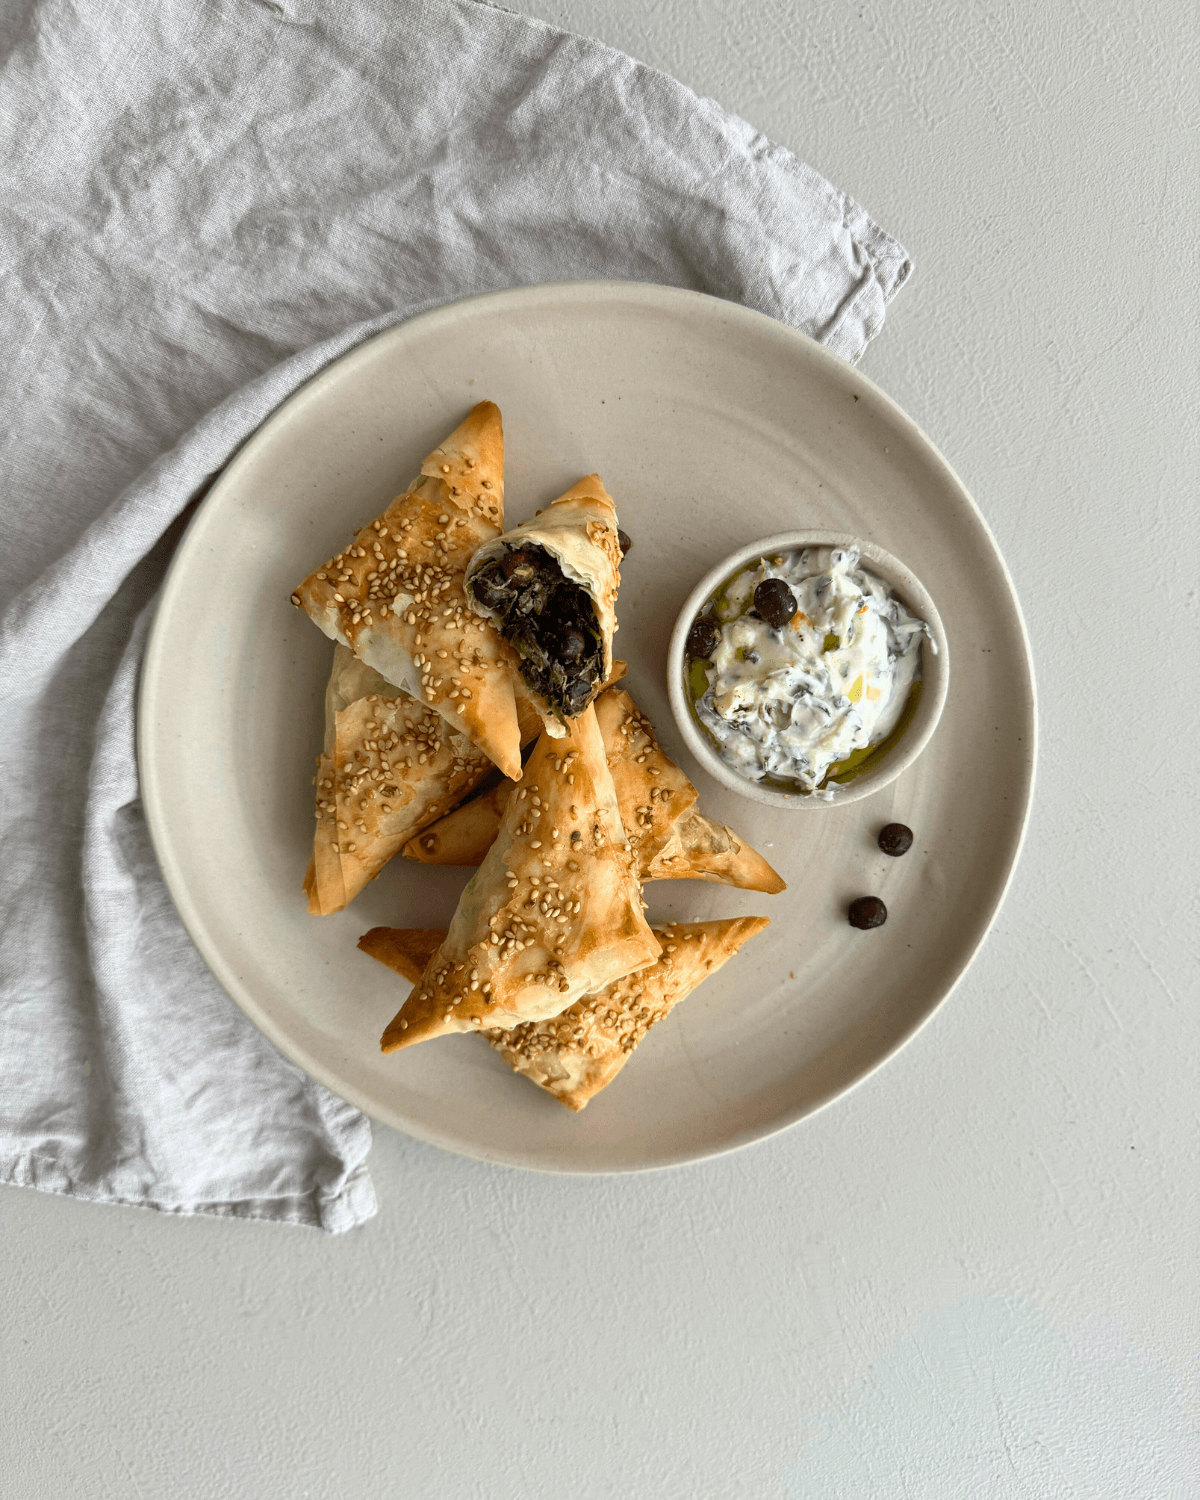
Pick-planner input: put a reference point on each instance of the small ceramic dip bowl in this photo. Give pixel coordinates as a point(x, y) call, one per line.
point(863, 773)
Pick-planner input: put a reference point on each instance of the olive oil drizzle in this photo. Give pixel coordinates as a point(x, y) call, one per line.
point(841, 772)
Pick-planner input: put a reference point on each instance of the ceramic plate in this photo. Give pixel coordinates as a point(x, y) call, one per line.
point(711, 425)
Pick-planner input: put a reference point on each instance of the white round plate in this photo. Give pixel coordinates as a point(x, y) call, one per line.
point(711, 425)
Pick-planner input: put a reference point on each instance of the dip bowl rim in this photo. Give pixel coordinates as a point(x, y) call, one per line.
point(935, 672)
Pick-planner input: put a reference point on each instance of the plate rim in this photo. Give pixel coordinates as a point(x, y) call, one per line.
point(152, 678)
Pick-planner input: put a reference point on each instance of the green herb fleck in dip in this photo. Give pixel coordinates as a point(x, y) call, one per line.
point(802, 665)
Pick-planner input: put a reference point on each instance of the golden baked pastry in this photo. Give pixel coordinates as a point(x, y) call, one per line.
point(407, 950)
point(671, 838)
point(549, 587)
point(395, 595)
point(389, 766)
point(576, 1054)
point(554, 912)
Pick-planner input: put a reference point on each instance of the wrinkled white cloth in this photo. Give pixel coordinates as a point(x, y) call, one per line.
point(190, 193)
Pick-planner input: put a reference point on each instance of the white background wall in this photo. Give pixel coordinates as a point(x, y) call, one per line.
point(976, 1275)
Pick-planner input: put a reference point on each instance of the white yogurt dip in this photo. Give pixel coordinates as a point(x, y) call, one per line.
point(793, 701)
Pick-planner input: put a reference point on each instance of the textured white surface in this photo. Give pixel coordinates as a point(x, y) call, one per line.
point(974, 1275)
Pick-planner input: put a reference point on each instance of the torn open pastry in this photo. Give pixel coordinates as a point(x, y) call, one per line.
point(550, 588)
point(576, 1054)
point(395, 596)
point(389, 766)
point(554, 911)
point(671, 838)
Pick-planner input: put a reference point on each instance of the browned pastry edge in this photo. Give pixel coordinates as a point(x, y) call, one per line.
point(395, 595)
point(671, 838)
point(580, 531)
point(554, 911)
point(575, 1055)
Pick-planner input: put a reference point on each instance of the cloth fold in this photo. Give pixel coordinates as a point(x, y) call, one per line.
point(203, 204)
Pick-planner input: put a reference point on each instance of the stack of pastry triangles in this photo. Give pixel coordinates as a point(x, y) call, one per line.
point(457, 643)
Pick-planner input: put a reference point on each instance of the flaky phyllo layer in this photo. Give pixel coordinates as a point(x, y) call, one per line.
point(549, 587)
point(670, 837)
point(395, 595)
point(578, 1053)
point(389, 766)
point(554, 912)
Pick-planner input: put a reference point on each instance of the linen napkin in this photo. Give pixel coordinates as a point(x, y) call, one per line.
point(191, 194)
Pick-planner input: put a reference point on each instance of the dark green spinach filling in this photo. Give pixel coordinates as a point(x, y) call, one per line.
point(549, 620)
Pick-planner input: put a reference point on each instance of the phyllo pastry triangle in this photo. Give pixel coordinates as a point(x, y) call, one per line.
point(550, 588)
point(407, 950)
point(464, 836)
point(554, 911)
point(388, 767)
point(671, 838)
point(395, 595)
point(576, 1054)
